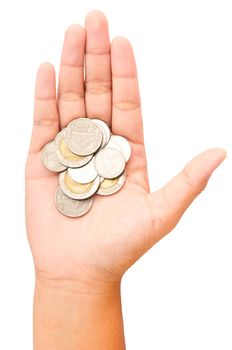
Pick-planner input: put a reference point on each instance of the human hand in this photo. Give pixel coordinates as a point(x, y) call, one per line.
point(100, 246)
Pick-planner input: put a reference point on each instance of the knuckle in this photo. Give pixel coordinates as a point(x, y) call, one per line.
point(98, 86)
point(45, 121)
point(98, 51)
point(196, 187)
point(70, 96)
point(126, 105)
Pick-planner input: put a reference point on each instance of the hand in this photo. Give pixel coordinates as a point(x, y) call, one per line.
point(101, 245)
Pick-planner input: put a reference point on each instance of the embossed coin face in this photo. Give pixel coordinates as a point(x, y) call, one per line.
point(123, 144)
point(71, 207)
point(66, 156)
point(84, 174)
point(105, 131)
point(77, 190)
point(109, 162)
point(110, 186)
point(49, 158)
point(83, 136)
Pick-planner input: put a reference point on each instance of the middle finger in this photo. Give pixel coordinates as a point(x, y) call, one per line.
point(97, 67)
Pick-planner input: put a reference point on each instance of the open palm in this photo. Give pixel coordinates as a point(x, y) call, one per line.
point(98, 80)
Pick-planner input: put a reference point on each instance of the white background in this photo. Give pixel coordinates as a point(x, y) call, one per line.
point(178, 296)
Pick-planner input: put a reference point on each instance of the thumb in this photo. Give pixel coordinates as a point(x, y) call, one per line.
point(169, 203)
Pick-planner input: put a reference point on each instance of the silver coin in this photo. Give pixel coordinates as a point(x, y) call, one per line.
point(77, 190)
point(111, 186)
point(83, 136)
point(49, 158)
point(112, 144)
point(123, 144)
point(105, 131)
point(66, 156)
point(72, 207)
point(85, 174)
point(109, 162)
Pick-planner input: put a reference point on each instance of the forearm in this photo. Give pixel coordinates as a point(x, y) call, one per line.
point(69, 317)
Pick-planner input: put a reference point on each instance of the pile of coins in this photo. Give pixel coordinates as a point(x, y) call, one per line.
point(90, 159)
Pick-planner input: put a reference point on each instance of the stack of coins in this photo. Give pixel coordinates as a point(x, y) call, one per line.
point(90, 160)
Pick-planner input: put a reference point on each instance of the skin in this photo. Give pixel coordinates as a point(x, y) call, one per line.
point(79, 262)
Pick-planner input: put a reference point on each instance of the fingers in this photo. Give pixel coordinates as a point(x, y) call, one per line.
point(126, 113)
point(126, 116)
point(98, 67)
point(46, 120)
point(71, 78)
point(170, 203)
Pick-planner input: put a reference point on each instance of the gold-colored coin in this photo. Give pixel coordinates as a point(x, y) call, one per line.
point(108, 183)
point(78, 190)
point(66, 156)
point(111, 186)
point(77, 187)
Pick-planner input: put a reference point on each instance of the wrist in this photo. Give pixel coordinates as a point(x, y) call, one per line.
point(75, 315)
point(83, 286)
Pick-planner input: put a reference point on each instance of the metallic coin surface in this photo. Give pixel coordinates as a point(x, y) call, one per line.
point(105, 131)
point(66, 156)
point(83, 136)
point(123, 144)
point(101, 179)
point(109, 162)
point(71, 207)
point(110, 186)
point(112, 144)
point(85, 174)
point(49, 158)
point(77, 190)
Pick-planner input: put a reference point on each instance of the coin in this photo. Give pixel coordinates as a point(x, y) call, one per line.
point(123, 144)
point(112, 144)
point(66, 156)
point(110, 186)
point(90, 160)
point(84, 174)
point(77, 190)
point(109, 162)
point(71, 207)
point(49, 158)
point(101, 179)
point(83, 136)
point(105, 131)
